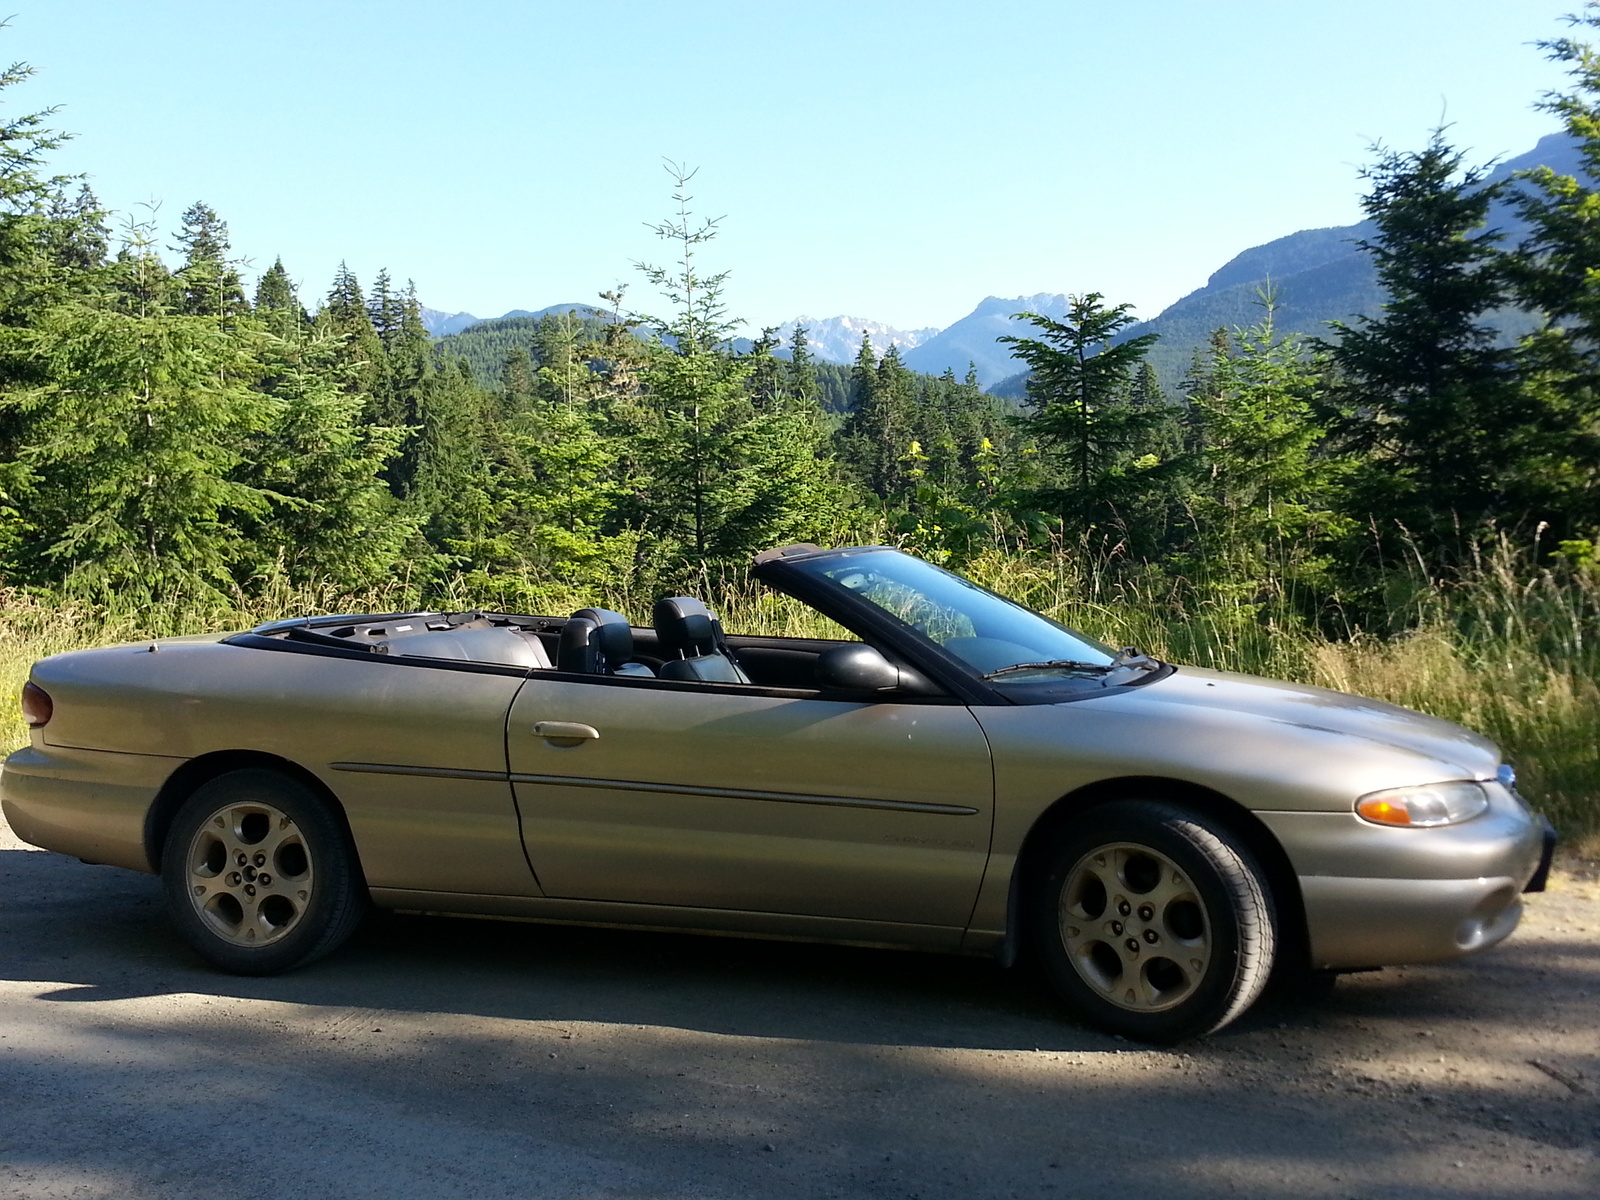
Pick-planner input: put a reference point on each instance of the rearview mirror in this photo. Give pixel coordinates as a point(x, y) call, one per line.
point(856, 669)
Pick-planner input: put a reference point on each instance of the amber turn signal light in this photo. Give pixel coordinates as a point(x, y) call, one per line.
point(37, 707)
point(1384, 813)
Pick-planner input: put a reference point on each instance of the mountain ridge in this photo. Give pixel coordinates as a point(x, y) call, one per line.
point(1318, 275)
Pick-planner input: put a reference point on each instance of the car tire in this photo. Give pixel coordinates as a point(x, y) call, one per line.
point(1152, 921)
point(260, 874)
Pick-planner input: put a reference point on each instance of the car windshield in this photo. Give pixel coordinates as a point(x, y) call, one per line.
point(992, 635)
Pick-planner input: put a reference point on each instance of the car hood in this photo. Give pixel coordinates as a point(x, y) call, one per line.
point(1326, 711)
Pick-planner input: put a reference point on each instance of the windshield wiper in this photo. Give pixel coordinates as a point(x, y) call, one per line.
point(1128, 656)
point(1065, 664)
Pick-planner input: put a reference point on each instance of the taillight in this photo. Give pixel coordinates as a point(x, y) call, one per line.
point(37, 707)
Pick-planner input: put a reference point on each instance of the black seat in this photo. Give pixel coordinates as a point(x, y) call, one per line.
point(687, 630)
point(597, 641)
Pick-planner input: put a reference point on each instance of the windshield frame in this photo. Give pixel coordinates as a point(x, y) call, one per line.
point(785, 571)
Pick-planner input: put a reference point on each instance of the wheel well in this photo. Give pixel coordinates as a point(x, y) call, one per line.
point(1257, 838)
point(195, 773)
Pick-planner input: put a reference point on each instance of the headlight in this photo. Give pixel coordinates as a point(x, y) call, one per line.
point(1431, 804)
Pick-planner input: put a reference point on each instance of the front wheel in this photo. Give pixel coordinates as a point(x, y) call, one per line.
point(259, 874)
point(1152, 921)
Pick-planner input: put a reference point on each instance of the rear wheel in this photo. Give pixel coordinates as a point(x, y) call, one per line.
point(1153, 921)
point(259, 874)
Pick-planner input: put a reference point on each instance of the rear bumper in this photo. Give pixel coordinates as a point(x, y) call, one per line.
point(87, 803)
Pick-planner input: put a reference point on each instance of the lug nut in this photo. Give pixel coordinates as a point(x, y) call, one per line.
point(249, 889)
point(1150, 935)
point(265, 880)
point(1146, 913)
point(260, 859)
point(233, 879)
point(240, 858)
point(1132, 944)
point(1124, 907)
point(1116, 929)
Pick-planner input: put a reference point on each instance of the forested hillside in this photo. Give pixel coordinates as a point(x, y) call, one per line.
point(165, 432)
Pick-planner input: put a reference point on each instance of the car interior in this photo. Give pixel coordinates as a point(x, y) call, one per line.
point(685, 643)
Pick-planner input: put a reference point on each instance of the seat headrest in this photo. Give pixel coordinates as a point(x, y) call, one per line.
point(612, 634)
point(577, 649)
point(682, 623)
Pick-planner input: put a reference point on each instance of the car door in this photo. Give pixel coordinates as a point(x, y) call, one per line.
point(655, 792)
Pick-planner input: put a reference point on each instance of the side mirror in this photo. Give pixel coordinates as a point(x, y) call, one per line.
point(856, 669)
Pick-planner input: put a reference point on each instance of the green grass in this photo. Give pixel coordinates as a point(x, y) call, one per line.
point(1509, 652)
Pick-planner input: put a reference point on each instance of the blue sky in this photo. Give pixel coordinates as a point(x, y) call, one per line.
point(893, 160)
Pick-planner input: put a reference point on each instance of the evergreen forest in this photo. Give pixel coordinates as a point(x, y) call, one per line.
point(1405, 506)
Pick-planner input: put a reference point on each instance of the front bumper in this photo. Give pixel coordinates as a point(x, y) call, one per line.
point(1377, 896)
point(1388, 922)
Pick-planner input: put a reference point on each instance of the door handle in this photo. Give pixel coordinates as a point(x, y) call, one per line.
point(565, 733)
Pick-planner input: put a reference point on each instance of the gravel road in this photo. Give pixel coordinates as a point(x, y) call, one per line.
point(456, 1058)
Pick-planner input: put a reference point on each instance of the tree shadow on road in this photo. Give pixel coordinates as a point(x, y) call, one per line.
point(732, 1066)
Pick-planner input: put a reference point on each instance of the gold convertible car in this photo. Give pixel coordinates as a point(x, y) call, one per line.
point(968, 776)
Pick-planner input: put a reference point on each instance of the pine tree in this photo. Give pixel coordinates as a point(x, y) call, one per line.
point(329, 518)
point(386, 310)
point(879, 431)
point(802, 381)
point(1145, 391)
point(766, 372)
point(135, 436)
point(277, 305)
point(723, 478)
point(1428, 399)
point(563, 352)
point(79, 238)
point(210, 280)
point(1098, 444)
point(1556, 272)
point(1262, 481)
point(33, 241)
point(516, 385)
point(343, 317)
point(448, 488)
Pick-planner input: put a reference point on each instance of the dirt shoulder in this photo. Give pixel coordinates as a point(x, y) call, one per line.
point(480, 1059)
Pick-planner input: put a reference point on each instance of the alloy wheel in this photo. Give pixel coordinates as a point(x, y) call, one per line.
point(1134, 927)
point(249, 873)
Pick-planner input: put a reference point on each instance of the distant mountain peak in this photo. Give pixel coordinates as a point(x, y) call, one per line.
point(1048, 303)
point(971, 340)
point(442, 324)
point(838, 339)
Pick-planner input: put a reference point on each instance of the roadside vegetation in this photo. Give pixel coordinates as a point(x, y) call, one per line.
point(1406, 508)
